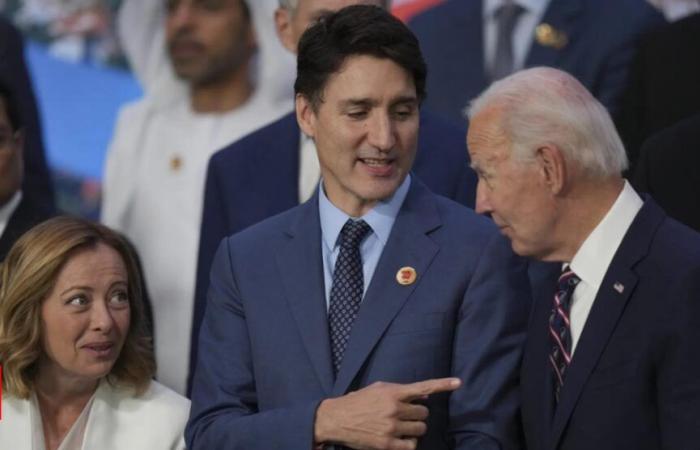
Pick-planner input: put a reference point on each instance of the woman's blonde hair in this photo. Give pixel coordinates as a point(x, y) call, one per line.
point(26, 278)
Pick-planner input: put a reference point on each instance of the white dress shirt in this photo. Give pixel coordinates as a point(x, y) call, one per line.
point(533, 10)
point(8, 209)
point(593, 258)
point(309, 168)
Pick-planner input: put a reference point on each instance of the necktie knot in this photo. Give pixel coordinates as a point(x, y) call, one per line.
point(353, 232)
point(566, 284)
point(560, 327)
point(507, 14)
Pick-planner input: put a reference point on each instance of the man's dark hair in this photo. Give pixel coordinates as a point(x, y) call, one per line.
point(10, 105)
point(355, 30)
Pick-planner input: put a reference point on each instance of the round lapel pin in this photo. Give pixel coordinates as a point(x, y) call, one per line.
point(406, 275)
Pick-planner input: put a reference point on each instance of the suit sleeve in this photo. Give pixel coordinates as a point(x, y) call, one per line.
point(225, 411)
point(484, 413)
point(213, 230)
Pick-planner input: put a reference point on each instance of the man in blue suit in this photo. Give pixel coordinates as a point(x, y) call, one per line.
point(275, 168)
point(611, 356)
point(334, 322)
point(594, 40)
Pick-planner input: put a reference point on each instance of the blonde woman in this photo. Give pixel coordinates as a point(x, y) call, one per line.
point(77, 361)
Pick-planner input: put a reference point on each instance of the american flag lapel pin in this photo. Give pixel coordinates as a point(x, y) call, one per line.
point(619, 287)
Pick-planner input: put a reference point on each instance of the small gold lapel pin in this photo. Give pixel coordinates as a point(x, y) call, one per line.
point(619, 287)
point(175, 163)
point(406, 275)
point(548, 36)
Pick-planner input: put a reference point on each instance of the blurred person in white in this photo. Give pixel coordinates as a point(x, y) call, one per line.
point(211, 91)
point(76, 355)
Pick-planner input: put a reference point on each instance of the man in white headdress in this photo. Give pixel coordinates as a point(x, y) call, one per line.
point(211, 87)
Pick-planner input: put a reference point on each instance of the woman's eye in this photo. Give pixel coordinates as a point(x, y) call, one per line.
point(120, 297)
point(78, 300)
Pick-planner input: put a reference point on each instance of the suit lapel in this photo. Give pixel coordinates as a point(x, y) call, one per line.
point(281, 164)
point(537, 376)
point(301, 270)
point(614, 293)
point(408, 245)
point(564, 17)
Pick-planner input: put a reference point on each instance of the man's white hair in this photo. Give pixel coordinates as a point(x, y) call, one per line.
point(542, 106)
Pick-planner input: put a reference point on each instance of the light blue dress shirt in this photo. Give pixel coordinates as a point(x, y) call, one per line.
point(381, 218)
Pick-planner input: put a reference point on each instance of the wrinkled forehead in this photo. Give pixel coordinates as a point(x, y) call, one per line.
point(486, 130)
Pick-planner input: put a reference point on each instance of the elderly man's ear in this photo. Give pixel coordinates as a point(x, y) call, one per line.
point(552, 167)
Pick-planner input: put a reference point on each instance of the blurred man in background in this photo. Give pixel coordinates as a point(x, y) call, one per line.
point(18, 212)
point(156, 165)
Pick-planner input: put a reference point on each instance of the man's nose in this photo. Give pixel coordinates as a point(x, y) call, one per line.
point(382, 132)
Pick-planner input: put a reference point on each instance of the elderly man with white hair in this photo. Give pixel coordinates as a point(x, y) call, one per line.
point(611, 357)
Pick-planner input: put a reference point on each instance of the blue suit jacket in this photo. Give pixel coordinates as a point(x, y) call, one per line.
point(601, 34)
point(257, 177)
point(634, 380)
point(265, 359)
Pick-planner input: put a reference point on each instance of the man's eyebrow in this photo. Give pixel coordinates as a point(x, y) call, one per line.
point(404, 99)
point(357, 102)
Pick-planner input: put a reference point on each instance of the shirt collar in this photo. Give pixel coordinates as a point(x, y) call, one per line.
point(591, 261)
point(381, 218)
point(8, 209)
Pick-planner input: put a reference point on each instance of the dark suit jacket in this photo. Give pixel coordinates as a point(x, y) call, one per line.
point(664, 87)
point(22, 219)
point(669, 170)
point(14, 75)
point(634, 380)
point(601, 39)
point(265, 359)
point(257, 177)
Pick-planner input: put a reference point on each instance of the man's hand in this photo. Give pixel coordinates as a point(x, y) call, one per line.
point(380, 416)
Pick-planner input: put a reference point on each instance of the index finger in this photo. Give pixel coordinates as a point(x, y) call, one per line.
point(420, 389)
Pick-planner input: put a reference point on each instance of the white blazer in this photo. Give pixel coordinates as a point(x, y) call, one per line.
point(118, 420)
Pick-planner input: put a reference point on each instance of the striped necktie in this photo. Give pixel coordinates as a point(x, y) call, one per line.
point(560, 328)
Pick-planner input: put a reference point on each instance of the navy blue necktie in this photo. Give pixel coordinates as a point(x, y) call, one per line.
point(560, 328)
point(347, 288)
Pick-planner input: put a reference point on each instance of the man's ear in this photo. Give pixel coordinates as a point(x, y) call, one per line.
point(306, 117)
point(283, 25)
point(552, 166)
